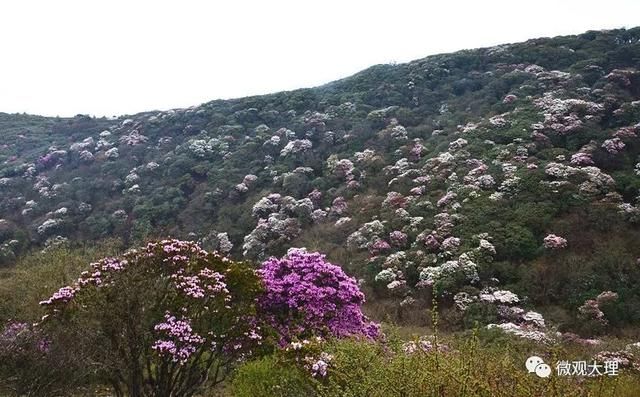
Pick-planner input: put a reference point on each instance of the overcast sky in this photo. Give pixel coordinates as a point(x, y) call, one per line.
point(120, 57)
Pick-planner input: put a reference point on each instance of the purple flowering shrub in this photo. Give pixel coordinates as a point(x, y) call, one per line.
point(161, 320)
point(28, 364)
point(306, 295)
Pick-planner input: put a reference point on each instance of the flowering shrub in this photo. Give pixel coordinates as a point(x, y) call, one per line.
point(306, 295)
point(28, 366)
point(591, 309)
point(554, 242)
point(449, 275)
point(398, 238)
point(581, 158)
point(613, 146)
point(157, 321)
point(564, 116)
point(296, 146)
point(365, 235)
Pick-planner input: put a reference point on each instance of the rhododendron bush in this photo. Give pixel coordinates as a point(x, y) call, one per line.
point(159, 321)
point(306, 295)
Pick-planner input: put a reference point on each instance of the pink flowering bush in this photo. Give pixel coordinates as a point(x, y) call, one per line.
point(398, 238)
point(306, 295)
point(613, 146)
point(554, 242)
point(159, 320)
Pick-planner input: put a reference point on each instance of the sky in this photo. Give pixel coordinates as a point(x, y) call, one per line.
point(107, 58)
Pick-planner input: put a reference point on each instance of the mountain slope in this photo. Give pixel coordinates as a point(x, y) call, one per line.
point(515, 166)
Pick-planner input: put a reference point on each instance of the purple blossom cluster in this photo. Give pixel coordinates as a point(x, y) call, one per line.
point(318, 366)
point(17, 338)
point(177, 339)
point(306, 295)
point(379, 246)
point(398, 238)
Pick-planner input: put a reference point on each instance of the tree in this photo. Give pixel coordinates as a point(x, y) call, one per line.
point(159, 321)
point(305, 295)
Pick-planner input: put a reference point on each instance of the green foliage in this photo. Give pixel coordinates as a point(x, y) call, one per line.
point(487, 364)
point(39, 274)
point(268, 377)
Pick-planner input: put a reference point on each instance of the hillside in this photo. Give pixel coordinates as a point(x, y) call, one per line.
point(510, 169)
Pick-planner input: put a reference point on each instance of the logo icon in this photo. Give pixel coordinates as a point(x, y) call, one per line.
point(536, 365)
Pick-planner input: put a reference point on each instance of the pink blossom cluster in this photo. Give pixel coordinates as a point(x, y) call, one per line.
point(343, 168)
point(249, 179)
point(175, 254)
point(523, 331)
point(613, 146)
point(450, 244)
point(398, 238)
point(581, 158)
point(447, 199)
point(458, 144)
point(498, 121)
point(366, 235)
point(417, 151)
point(591, 308)
point(394, 200)
point(626, 132)
point(339, 206)
point(623, 358)
point(396, 130)
point(17, 338)
point(554, 242)
point(316, 119)
point(177, 339)
point(53, 158)
point(365, 157)
point(566, 115)
point(278, 227)
point(63, 295)
point(621, 76)
point(510, 98)
point(418, 190)
point(379, 246)
point(596, 183)
point(203, 284)
point(315, 196)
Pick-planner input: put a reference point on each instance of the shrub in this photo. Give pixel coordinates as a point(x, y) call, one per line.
point(306, 295)
point(465, 366)
point(269, 377)
point(158, 321)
